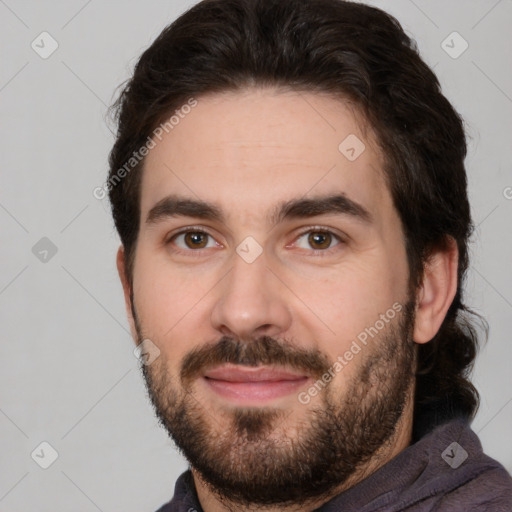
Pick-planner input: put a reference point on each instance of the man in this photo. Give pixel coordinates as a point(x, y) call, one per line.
point(288, 184)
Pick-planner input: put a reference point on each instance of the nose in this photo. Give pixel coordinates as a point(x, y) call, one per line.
point(251, 302)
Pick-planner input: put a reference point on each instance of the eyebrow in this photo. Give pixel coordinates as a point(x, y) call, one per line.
point(338, 204)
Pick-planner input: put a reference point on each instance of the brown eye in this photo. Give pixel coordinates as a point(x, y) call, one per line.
point(196, 240)
point(187, 240)
point(319, 240)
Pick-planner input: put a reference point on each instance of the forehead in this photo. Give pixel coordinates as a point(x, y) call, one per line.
point(247, 151)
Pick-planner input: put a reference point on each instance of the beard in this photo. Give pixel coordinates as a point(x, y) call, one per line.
point(246, 456)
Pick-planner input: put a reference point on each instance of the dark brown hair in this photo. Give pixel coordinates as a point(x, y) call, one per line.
point(347, 50)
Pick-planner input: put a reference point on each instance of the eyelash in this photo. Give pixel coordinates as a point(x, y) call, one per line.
point(312, 229)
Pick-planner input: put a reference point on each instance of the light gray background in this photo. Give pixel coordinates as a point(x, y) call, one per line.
point(68, 373)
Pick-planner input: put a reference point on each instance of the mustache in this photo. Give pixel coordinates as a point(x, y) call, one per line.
point(263, 351)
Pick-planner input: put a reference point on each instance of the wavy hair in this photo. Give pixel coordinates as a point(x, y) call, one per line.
point(350, 51)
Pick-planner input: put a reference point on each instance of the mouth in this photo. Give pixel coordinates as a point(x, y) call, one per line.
point(252, 385)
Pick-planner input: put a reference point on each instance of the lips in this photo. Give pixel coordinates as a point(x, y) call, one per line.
point(244, 384)
point(250, 374)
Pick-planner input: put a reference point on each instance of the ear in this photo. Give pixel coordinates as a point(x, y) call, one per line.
point(437, 291)
point(127, 289)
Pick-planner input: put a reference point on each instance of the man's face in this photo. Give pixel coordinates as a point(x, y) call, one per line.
point(250, 308)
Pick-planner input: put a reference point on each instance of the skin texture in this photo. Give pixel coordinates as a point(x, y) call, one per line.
point(246, 152)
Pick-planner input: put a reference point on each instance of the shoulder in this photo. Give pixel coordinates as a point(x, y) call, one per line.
point(490, 489)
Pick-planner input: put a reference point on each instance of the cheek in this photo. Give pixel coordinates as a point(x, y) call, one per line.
point(349, 302)
point(353, 293)
point(167, 298)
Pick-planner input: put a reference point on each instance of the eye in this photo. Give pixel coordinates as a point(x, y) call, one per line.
point(193, 239)
point(318, 240)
